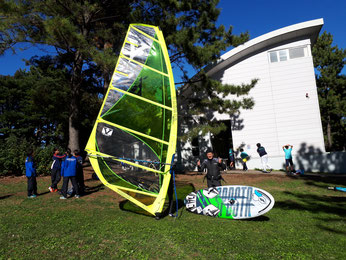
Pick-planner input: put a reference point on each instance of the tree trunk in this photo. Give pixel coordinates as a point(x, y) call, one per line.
point(74, 120)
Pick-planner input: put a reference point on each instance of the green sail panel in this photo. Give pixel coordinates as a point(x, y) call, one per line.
point(140, 116)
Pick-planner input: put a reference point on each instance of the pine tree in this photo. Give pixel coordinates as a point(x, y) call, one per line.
point(331, 86)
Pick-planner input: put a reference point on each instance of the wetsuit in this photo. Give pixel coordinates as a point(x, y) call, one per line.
point(213, 171)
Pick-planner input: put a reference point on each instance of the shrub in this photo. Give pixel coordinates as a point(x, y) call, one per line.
point(14, 152)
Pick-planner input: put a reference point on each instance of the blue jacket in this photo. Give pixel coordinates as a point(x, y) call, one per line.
point(30, 167)
point(69, 166)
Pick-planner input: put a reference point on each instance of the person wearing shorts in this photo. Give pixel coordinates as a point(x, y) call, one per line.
point(288, 157)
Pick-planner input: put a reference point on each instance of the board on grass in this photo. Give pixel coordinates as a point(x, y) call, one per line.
point(230, 202)
point(337, 188)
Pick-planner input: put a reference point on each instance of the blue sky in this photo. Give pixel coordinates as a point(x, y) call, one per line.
point(255, 16)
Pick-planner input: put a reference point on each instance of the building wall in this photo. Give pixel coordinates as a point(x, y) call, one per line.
point(282, 113)
point(334, 162)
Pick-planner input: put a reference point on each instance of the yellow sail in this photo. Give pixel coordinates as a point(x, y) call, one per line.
point(134, 137)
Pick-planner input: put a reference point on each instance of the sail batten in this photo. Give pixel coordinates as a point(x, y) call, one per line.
point(122, 73)
point(149, 36)
point(132, 131)
point(134, 137)
point(141, 64)
point(142, 98)
point(128, 161)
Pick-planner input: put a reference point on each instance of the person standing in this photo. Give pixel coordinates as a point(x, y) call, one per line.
point(30, 172)
point(55, 170)
point(244, 157)
point(213, 166)
point(231, 159)
point(288, 157)
point(264, 158)
point(68, 172)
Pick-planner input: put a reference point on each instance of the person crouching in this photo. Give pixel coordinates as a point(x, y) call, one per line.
point(68, 172)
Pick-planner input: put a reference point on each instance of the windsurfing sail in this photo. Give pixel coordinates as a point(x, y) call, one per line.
point(134, 137)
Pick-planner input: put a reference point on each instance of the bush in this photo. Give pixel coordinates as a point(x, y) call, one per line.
point(12, 155)
point(43, 159)
point(14, 152)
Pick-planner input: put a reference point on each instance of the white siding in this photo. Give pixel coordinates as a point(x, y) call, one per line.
point(282, 113)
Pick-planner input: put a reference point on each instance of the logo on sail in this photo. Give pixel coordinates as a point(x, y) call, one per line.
point(107, 131)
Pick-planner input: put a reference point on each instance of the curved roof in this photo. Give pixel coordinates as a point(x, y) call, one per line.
point(309, 29)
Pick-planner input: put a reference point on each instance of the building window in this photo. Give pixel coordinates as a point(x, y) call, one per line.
point(296, 52)
point(273, 57)
point(283, 55)
point(288, 54)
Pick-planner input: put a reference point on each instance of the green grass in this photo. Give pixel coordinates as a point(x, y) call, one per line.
point(307, 222)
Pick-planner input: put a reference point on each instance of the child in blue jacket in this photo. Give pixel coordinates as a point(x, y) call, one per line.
point(30, 173)
point(68, 172)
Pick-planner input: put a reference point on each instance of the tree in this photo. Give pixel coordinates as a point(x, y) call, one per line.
point(34, 112)
point(33, 104)
point(331, 86)
point(74, 28)
point(91, 33)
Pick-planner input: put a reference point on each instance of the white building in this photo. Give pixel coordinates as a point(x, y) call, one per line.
point(286, 107)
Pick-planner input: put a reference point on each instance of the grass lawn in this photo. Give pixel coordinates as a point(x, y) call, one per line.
point(307, 222)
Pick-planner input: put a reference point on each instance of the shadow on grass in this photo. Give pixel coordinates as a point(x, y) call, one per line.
point(329, 220)
point(91, 190)
point(183, 189)
point(315, 203)
point(5, 197)
point(43, 193)
point(335, 205)
point(316, 179)
point(331, 230)
point(256, 219)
